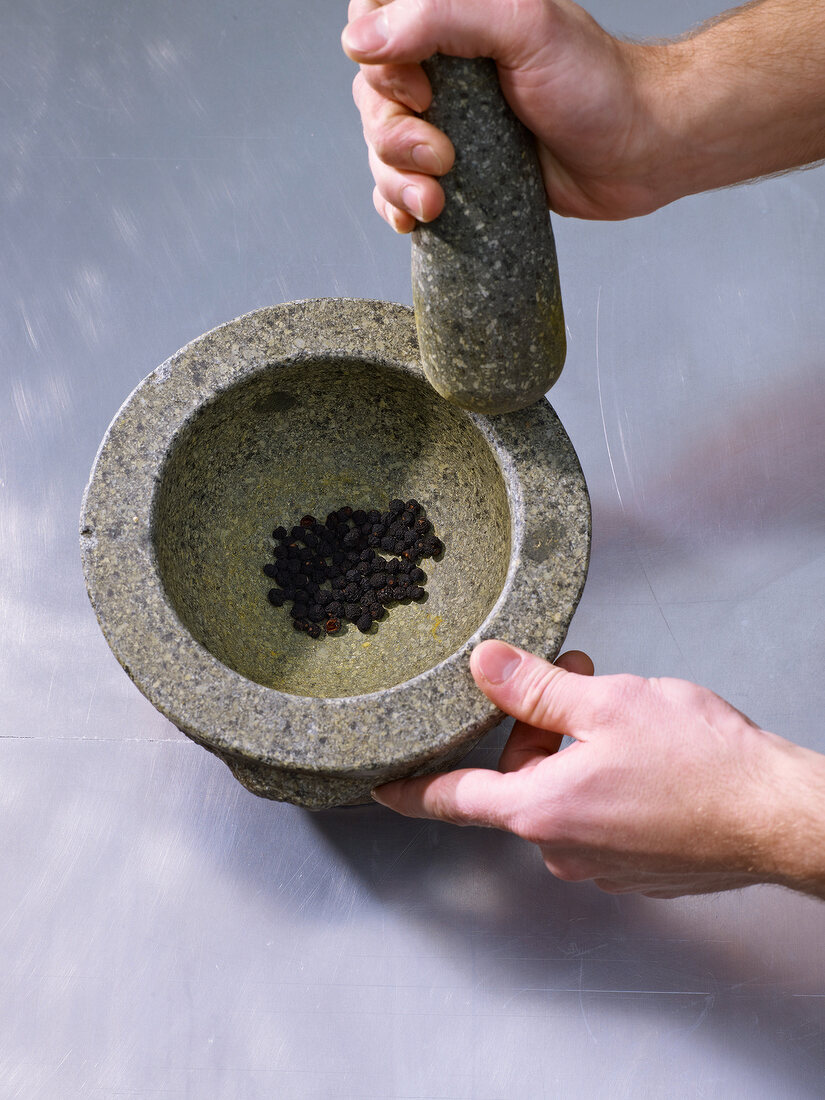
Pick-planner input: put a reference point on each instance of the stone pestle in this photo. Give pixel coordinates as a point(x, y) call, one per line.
point(484, 274)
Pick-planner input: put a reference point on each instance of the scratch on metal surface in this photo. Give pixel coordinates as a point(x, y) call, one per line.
point(92, 698)
point(581, 1002)
point(23, 408)
point(404, 850)
point(296, 872)
point(619, 492)
point(106, 740)
point(30, 333)
point(601, 402)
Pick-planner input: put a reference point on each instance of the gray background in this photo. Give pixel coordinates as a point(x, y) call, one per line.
point(166, 167)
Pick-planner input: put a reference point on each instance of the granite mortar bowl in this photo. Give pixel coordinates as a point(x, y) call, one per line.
point(305, 407)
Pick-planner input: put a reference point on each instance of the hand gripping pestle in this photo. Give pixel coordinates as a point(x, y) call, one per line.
point(484, 274)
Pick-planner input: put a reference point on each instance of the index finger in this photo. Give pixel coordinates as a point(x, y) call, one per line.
point(469, 796)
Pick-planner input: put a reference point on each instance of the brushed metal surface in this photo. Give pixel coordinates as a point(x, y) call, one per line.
point(162, 932)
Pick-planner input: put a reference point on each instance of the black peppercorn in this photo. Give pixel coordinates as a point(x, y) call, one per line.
point(360, 582)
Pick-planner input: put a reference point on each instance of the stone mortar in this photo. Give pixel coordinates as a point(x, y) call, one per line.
point(301, 408)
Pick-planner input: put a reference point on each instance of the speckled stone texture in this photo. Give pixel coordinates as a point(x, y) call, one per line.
point(300, 408)
point(484, 273)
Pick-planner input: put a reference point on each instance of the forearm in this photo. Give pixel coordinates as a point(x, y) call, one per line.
point(742, 97)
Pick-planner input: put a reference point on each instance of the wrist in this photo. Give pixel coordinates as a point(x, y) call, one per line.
point(672, 156)
point(658, 161)
point(790, 845)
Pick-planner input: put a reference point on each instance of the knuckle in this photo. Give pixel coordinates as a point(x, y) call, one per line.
point(540, 691)
point(610, 886)
point(568, 870)
point(617, 698)
point(392, 139)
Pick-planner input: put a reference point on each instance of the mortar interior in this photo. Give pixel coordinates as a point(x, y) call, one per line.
point(309, 436)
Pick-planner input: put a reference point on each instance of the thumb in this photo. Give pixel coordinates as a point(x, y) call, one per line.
point(531, 689)
point(412, 30)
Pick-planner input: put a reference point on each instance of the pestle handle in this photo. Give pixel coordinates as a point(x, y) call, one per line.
point(484, 274)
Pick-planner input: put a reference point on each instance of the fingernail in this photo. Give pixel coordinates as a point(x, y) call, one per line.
point(411, 197)
point(375, 794)
point(497, 661)
point(426, 158)
point(367, 35)
point(394, 216)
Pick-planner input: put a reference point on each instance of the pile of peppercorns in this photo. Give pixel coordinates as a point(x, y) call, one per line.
point(332, 571)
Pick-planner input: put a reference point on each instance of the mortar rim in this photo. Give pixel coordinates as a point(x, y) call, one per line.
point(363, 329)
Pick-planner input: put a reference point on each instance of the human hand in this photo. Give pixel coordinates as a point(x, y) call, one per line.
point(667, 790)
point(622, 128)
point(581, 91)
